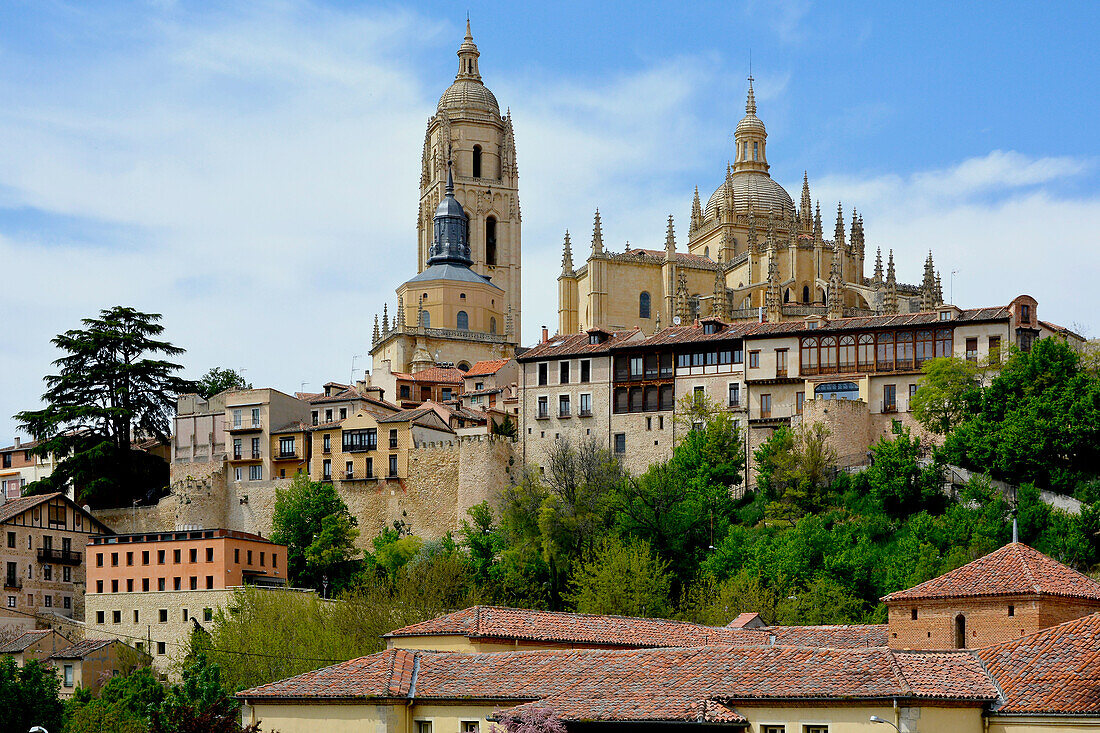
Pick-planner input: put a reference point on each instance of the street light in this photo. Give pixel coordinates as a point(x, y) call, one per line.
point(877, 719)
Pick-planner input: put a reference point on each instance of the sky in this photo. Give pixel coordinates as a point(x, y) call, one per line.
point(250, 170)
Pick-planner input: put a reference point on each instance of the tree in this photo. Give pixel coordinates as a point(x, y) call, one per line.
point(505, 428)
point(899, 482)
point(199, 704)
point(948, 388)
point(218, 380)
point(29, 695)
point(109, 389)
point(125, 704)
point(622, 578)
point(319, 531)
point(530, 720)
point(712, 602)
point(795, 471)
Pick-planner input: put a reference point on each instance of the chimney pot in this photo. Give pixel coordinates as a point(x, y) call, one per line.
point(17, 442)
point(545, 334)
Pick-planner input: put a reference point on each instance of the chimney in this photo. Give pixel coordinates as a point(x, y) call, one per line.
point(545, 334)
point(17, 442)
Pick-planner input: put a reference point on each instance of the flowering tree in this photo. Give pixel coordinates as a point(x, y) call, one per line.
point(529, 720)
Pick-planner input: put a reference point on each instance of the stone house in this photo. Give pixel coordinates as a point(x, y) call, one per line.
point(88, 664)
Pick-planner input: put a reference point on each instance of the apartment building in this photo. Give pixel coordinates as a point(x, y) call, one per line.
point(339, 401)
point(250, 417)
point(436, 383)
point(42, 558)
point(152, 588)
point(565, 384)
point(19, 467)
point(365, 448)
point(492, 385)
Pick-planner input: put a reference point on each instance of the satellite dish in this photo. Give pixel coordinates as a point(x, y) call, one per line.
point(676, 320)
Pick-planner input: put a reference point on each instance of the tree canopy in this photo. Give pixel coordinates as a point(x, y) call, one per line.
point(109, 390)
point(319, 531)
point(218, 379)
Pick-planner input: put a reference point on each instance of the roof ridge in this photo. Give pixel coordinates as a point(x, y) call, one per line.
point(906, 688)
point(1020, 556)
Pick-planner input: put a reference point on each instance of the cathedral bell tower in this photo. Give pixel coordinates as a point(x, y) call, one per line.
point(469, 129)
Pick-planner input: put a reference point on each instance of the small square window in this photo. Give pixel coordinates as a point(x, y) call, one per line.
point(162, 615)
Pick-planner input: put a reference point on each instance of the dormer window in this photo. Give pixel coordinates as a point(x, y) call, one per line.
point(711, 327)
point(945, 315)
point(593, 338)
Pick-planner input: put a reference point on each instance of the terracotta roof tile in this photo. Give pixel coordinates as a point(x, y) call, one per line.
point(81, 649)
point(24, 640)
point(677, 681)
point(494, 622)
point(575, 344)
point(1015, 569)
point(439, 375)
point(837, 637)
point(486, 367)
point(1056, 670)
point(16, 507)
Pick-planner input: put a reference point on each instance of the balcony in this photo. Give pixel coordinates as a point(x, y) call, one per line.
point(584, 413)
point(287, 455)
point(11, 583)
point(247, 427)
point(348, 475)
point(542, 415)
point(62, 557)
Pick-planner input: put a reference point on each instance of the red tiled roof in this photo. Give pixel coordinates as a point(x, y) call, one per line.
point(494, 622)
point(486, 367)
point(1015, 569)
point(22, 446)
point(924, 318)
point(837, 637)
point(1056, 670)
point(574, 344)
point(24, 640)
point(81, 649)
point(438, 375)
point(623, 707)
point(744, 619)
point(16, 507)
point(681, 680)
point(295, 426)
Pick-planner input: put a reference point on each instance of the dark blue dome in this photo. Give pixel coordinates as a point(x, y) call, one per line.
point(451, 235)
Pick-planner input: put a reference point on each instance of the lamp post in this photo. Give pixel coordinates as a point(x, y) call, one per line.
point(877, 719)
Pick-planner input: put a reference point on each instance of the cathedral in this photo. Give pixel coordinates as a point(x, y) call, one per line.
point(463, 306)
point(751, 255)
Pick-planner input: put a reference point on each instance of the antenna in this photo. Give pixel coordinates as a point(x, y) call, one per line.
point(351, 379)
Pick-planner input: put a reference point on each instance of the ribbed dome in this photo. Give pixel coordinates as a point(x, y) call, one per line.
point(752, 124)
point(766, 195)
point(467, 94)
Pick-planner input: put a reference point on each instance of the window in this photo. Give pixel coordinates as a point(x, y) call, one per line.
point(492, 324)
point(210, 554)
point(1025, 313)
point(237, 555)
point(462, 322)
point(255, 473)
point(326, 470)
point(1011, 610)
point(815, 729)
point(543, 373)
point(913, 614)
point(563, 405)
point(343, 413)
point(48, 601)
point(11, 542)
point(114, 559)
point(425, 319)
point(994, 349)
point(237, 449)
point(799, 402)
point(620, 443)
point(543, 408)
point(960, 632)
point(315, 417)
point(67, 574)
point(286, 447)
point(67, 602)
point(193, 554)
point(208, 614)
point(563, 372)
point(144, 557)
point(423, 726)
point(490, 241)
point(129, 585)
point(238, 474)
point(249, 556)
point(912, 391)
point(135, 615)
point(349, 469)
point(447, 393)
point(184, 615)
point(255, 448)
point(160, 583)
point(68, 675)
point(355, 441)
point(237, 418)
point(144, 585)
point(765, 405)
point(393, 466)
point(99, 615)
point(328, 415)
point(160, 648)
point(99, 586)
point(699, 394)
point(160, 557)
point(116, 617)
point(780, 362)
point(326, 443)
point(476, 167)
point(585, 407)
point(98, 555)
point(194, 583)
point(47, 572)
point(972, 349)
point(643, 305)
point(370, 467)
point(754, 359)
point(470, 726)
point(889, 398)
point(756, 151)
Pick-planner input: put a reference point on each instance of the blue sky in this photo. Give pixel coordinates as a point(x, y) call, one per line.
point(250, 169)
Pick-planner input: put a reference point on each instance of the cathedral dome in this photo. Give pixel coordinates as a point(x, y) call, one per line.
point(468, 94)
point(750, 124)
point(765, 195)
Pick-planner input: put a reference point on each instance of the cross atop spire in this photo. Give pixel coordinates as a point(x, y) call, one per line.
point(750, 103)
point(467, 56)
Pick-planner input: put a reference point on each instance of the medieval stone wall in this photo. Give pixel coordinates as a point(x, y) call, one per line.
point(445, 479)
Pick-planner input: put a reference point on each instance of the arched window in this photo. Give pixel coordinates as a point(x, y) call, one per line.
point(805, 293)
point(463, 321)
point(866, 352)
point(643, 305)
point(425, 319)
point(493, 325)
point(490, 241)
point(756, 151)
point(787, 296)
point(837, 391)
point(960, 632)
point(477, 161)
point(463, 366)
point(828, 355)
point(809, 355)
point(462, 296)
point(847, 353)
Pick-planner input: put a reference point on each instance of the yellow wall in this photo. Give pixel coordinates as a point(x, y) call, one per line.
point(1036, 724)
point(848, 719)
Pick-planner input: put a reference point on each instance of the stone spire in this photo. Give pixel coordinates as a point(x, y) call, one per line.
point(696, 212)
point(928, 285)
point(838, 234)
point(750, 102)
point(467, 57)
point(939, 289)
point(729, 210)
point(375, 337)
point(682, 299)
point(878, 266)
point(719, 302)
point(509, 323)
point(567, 257)
point(890, 299)
point(751, 244)
point(853, 236)
point(819, 235)
point(399, 319)
point(806, 209)
point(597, 235)
point(450, 241)
point(670, 240)
point(385, 318)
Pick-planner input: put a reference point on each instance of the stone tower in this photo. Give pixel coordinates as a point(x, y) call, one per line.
point(469, 129)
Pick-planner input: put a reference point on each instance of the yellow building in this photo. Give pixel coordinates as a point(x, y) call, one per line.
point(464, 305)
point(751, 254)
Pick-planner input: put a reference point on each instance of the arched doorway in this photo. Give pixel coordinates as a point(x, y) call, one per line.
point(960, 632)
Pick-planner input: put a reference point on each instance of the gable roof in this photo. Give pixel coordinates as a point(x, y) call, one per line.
point(838, 636)
point(485, 368)
point(81, 649)
point(496, 622)
point(575, 344)
point(24, 640)
point(1015, 569)
point(680, 682)
point(15, 507)
point(1052, 671)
